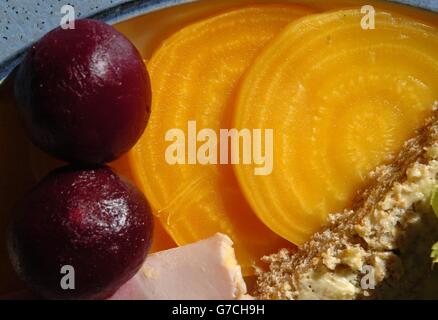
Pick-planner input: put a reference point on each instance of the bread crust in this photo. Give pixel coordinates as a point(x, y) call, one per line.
point(378, 248)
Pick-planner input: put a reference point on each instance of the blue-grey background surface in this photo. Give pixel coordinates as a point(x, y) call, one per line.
point(24, 21)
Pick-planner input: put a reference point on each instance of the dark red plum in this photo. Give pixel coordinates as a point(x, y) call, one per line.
point(92, 220)
point(84, 94)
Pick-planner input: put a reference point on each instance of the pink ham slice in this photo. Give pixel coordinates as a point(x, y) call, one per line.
point(206, 269)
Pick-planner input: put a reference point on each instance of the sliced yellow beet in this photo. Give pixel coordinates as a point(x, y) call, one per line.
point(194, 74)
point(341, 100)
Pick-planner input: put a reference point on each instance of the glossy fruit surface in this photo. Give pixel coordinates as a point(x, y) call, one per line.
point(84, 93)
point(41, 164)
point(341, 100)
point(92, 220)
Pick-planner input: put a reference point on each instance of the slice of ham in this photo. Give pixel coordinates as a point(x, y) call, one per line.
point(206, 269)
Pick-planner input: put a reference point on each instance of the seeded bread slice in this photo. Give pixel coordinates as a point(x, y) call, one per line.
point(380, 247)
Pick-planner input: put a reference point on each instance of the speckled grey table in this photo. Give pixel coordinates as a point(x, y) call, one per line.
point(24, 21)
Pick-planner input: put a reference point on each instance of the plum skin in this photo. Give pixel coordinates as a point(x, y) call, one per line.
point(84, 94)
point(93, 220)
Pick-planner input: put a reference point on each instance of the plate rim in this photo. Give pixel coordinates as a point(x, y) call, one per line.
point(111, 15)
point(124, 11)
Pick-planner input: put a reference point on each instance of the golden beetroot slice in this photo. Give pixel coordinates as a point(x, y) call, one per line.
point(341, 100)
point(194, 74)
